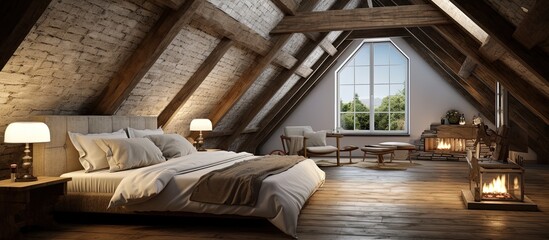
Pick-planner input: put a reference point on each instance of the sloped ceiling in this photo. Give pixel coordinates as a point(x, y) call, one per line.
point(246, 64)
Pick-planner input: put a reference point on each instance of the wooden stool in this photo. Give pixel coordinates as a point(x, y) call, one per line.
point(349, 149)
point(377, 150)
point(400, 146)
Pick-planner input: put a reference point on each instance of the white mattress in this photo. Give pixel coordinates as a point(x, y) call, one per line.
point(101, 181)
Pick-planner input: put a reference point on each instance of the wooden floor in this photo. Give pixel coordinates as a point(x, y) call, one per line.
point(422, 202)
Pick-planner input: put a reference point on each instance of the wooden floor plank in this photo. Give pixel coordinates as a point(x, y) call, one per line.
point(355, 203)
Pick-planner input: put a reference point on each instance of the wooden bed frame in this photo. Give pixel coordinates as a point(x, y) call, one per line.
point(59, 155)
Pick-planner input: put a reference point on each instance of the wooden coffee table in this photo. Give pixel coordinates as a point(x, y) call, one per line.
point(400, 146)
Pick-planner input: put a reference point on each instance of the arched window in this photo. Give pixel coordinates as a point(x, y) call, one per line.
point(372, 90)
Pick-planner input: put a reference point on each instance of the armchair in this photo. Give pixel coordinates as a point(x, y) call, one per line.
point(302, 140)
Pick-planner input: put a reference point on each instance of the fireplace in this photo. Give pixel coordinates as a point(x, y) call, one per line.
point(447, 144)
point(496, 186)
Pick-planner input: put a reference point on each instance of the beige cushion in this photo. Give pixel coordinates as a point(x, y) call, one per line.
point(92, 157)
point(296, 130)
point(172, 145)
point(322, 150)
point(315, 138)
point(130, 153)
point(138, 133)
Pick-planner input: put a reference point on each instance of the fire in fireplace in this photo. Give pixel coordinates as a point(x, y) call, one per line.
point(445, 144)
point(501, 188)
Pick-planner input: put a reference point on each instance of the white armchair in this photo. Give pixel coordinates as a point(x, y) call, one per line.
point(304, 141)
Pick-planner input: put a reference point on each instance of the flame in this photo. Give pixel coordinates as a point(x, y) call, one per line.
point(496, 186)
point(443, 145)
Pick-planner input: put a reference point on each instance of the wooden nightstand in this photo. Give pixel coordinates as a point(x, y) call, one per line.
point(28, 203)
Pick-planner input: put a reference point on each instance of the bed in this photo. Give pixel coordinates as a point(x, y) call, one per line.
point(280, 199)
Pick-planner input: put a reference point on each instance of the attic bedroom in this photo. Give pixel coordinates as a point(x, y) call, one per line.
point(274, 119)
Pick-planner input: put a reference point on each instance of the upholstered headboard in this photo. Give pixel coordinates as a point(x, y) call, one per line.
point(59, 155)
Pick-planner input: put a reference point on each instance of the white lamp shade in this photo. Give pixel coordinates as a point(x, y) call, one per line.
point(27, 132)
point(201, 124)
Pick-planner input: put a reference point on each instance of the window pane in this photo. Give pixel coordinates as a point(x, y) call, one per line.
point(362, 121)
point(381, 121)
point(381, 100)
point(398, 73)
point(396, 56)
point(346, 93)
point(350, 62)
point(397, 121)
point(346, 121)
point(398, 98)
point(363, 92)
point(346, 75)
point(381, 53)
point(381, 74)
point(362, 56)
point(362, 75)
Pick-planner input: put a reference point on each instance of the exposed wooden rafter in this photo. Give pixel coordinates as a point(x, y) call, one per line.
point(17, 19)
point(491, 50)
point(277, 83)
point(467, 68)
point(533, 29)
point(529, 96)
point(378, 33)
point(293, 97)
point(502, 31)
point(138, 64)
point(194, 82)
point(362, 18)
point(211, 17)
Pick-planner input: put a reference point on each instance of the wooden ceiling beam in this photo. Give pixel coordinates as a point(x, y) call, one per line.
point(246, 81)
point(213, 18)
point(194, 82)
point(378, 33)
point(533, 28)
point(535, 59)
point(467, 68)
point(276, 84)
point(491, 50)
point(145, 55)
point(17, 19)
point(362, 18)
point(268, 92)
point(288, 7)
point(291, 99)
point(529, 96)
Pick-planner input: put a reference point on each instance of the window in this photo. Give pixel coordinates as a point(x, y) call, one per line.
point(372, 90)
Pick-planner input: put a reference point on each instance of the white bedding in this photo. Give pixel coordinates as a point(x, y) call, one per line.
point(280, 199)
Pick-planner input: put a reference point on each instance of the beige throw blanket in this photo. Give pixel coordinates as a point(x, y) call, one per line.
point(239, 184)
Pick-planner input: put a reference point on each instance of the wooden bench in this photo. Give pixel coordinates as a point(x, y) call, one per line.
point(400, 146)
point(377, 150)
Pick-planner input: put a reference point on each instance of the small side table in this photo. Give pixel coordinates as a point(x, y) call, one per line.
point(28, 203)
point(349, 148)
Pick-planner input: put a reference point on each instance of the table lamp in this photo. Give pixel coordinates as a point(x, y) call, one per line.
point(27, 132)
point(200, 124)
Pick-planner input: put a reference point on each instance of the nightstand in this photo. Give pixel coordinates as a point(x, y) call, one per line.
point(28, 203)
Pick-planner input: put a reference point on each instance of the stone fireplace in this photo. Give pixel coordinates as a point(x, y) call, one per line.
point(447, 142)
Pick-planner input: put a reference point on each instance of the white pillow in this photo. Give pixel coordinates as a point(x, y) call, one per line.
point(172, 145)
point(139, 133)
point(91, 156)
point(315, 138)
point(123, 154)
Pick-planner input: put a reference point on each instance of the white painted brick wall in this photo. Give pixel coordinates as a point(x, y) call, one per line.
point(169, 73)
point(279, 94)
point(260, 15)
point(247, 100)
point(208, 95)
point(296, 42)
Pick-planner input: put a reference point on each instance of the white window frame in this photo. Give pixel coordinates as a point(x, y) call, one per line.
point(406, 130)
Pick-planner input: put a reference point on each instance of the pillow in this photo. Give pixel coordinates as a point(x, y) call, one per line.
point(172, 145)
point(91, 156)
point(138, 133)
point(123, 154)
point(315, 138)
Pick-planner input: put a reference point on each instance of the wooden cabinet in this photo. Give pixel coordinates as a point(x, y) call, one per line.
point(28, 203)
